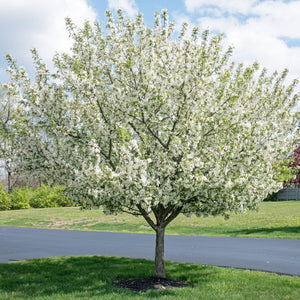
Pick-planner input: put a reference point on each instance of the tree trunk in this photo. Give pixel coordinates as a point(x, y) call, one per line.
point(9, 182)
point(163, 215)
point(159, 253)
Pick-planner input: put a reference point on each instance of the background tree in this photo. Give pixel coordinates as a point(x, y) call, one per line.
point(137, 120)
point(8, 139)
point(14, 132)
point(295, 165)
point(294, 168)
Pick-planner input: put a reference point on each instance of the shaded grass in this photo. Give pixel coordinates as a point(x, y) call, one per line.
point(273, 220)
point(91, 277)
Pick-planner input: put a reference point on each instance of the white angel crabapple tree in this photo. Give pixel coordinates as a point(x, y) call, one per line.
point(136, 120)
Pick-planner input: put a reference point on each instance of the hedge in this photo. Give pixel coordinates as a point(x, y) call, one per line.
point(23, 198)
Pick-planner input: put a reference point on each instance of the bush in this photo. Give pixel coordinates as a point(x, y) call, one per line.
point(20, 198)
point(46, 197)
point(42, 197)
point(271, 197)
point(5, 201)
point(61, 199)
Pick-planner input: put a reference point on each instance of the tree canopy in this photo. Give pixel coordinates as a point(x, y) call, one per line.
point(144, 121)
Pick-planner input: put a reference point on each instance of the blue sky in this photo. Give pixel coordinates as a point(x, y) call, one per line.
point(147, 7)
point(265, 30)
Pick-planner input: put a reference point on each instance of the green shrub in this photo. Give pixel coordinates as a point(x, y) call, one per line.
point(42, 197)
point(46, 197)
point(61, 199)
point(20, 198)
point(271, 197)
point(5, 201)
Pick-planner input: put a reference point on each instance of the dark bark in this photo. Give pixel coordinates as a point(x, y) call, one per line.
point(159, 253)
point(9, 182)
point(163, 216)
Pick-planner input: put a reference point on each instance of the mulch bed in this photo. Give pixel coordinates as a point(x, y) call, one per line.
point(149, 283)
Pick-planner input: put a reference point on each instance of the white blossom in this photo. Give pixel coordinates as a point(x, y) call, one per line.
point(136, 118)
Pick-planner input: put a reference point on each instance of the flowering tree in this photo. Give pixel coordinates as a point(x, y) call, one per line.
point(13, 132)
point(137, 121)
point(8, 139)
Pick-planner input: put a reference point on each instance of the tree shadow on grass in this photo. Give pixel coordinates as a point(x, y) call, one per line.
point(272, 232)
point(87, 276)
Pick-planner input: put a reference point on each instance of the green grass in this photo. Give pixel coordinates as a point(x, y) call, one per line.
point(91, 277)
point(273, 220)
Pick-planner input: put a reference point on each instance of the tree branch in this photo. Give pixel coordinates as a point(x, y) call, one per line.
point(172, 216)
point(156, 214)
point(209, 132)
point(131, 212)
point(146, 217)
point(8, 116)
point(168, 209)
point(110, 149)
point(110, 78)
point(109, 159)
point(177, 115)
point(102, 112)
point(136, 131)
point(153, 133)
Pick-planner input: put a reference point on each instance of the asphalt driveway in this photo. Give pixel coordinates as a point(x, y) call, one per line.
point(271, 255)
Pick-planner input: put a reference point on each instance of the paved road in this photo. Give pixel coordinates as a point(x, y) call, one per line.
point(271, 255)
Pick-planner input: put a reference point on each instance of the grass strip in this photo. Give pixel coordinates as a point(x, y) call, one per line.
point(273, 220)
point(91, 277)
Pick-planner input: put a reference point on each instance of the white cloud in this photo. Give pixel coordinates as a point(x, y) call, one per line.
point(129, 6)
point(38, 24)
point(255, 29)
point(234, 6)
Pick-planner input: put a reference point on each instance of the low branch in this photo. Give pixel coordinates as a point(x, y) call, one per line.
point(168, 210)
point(132, 209)
point(131, 212)
point(146, 217)
point(156, 214)
point(172, 216)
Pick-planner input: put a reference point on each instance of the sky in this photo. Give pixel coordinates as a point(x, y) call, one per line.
point(266, 31)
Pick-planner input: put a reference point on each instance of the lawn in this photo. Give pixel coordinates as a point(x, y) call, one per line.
point(273, 220)
point(91, 277)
